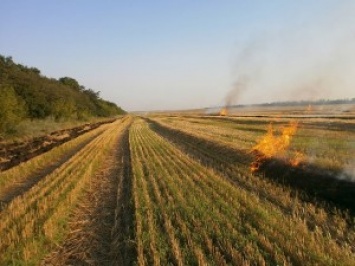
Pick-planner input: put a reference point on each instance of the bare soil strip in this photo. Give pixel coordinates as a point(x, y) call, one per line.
point(16, 153)
point(315, 183)
point(100, 228)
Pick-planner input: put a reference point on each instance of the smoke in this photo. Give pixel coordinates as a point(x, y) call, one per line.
point(239, 87)
point(309, 60)
point(348, 173)
point(247, 66)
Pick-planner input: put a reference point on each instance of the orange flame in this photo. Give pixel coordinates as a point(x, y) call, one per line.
point(309, 108)
point(271, 144)
point(297, 159)
point(223, 111)
point(274, 144)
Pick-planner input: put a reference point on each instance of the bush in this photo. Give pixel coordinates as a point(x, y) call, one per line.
point(12, 109)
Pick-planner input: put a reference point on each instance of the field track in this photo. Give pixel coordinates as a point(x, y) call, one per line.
point(96, 229)
point(35, 222)
point(155, 191)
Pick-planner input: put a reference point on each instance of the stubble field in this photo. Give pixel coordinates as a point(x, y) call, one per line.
point(186, 190)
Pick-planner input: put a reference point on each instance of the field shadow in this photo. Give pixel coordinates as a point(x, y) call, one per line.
point(309, 182)
point(316, 182)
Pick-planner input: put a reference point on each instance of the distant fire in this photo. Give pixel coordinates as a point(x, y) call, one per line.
point(309, 108)
point(223, 111)
point(275, 144)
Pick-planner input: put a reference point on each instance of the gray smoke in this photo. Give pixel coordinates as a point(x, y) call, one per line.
point(312, 59)
point(234, 94)
point(348, 172)
point(246, 68)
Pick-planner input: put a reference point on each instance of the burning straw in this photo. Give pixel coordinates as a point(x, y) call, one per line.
point(275, 144)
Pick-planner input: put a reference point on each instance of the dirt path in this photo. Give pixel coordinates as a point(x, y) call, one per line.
point(101, 226)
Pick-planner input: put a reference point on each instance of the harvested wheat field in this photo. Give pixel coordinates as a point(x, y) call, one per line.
point(186, 190)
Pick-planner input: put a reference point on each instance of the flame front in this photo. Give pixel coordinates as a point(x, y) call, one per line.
point(274, 145)
point(223, 111)
point(297, 159)
point(271, 144)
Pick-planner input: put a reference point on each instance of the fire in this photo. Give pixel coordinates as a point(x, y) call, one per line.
point(275, 144)
point(297, 159)
point(309, 108)
point(272, 144)
point(223, 111)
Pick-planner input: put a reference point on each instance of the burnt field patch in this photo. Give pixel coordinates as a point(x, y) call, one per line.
point(308, 181)
point(333, 188)
point(193, 208)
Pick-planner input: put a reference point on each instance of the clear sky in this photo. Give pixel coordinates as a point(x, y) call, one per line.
point(149, 55)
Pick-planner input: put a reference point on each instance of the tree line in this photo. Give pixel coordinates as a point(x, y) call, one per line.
point(26, 94)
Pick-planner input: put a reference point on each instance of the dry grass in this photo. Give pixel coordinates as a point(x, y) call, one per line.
point(18, 180)
point(89, 238)
point(170, 192)
point(213, 220)
point(327, 143)
point(36, 222)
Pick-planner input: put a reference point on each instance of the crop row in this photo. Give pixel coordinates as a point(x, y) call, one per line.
point(187, 213)
point(17, 180)
point(235, 168)
point(95, 228)
point(333, 151)
point(32, 224)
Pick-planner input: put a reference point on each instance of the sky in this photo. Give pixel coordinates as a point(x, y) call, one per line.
point(168, 55)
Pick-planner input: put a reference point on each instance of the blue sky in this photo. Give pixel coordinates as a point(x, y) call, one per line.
point(148, 55)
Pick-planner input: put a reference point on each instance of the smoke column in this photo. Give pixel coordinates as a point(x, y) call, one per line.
point(239, 87)
point(310, 60)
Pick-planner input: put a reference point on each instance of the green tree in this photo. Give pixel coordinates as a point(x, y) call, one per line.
point(70, 82)
point(45, 97)
point(64, 109)
point(12, 109)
